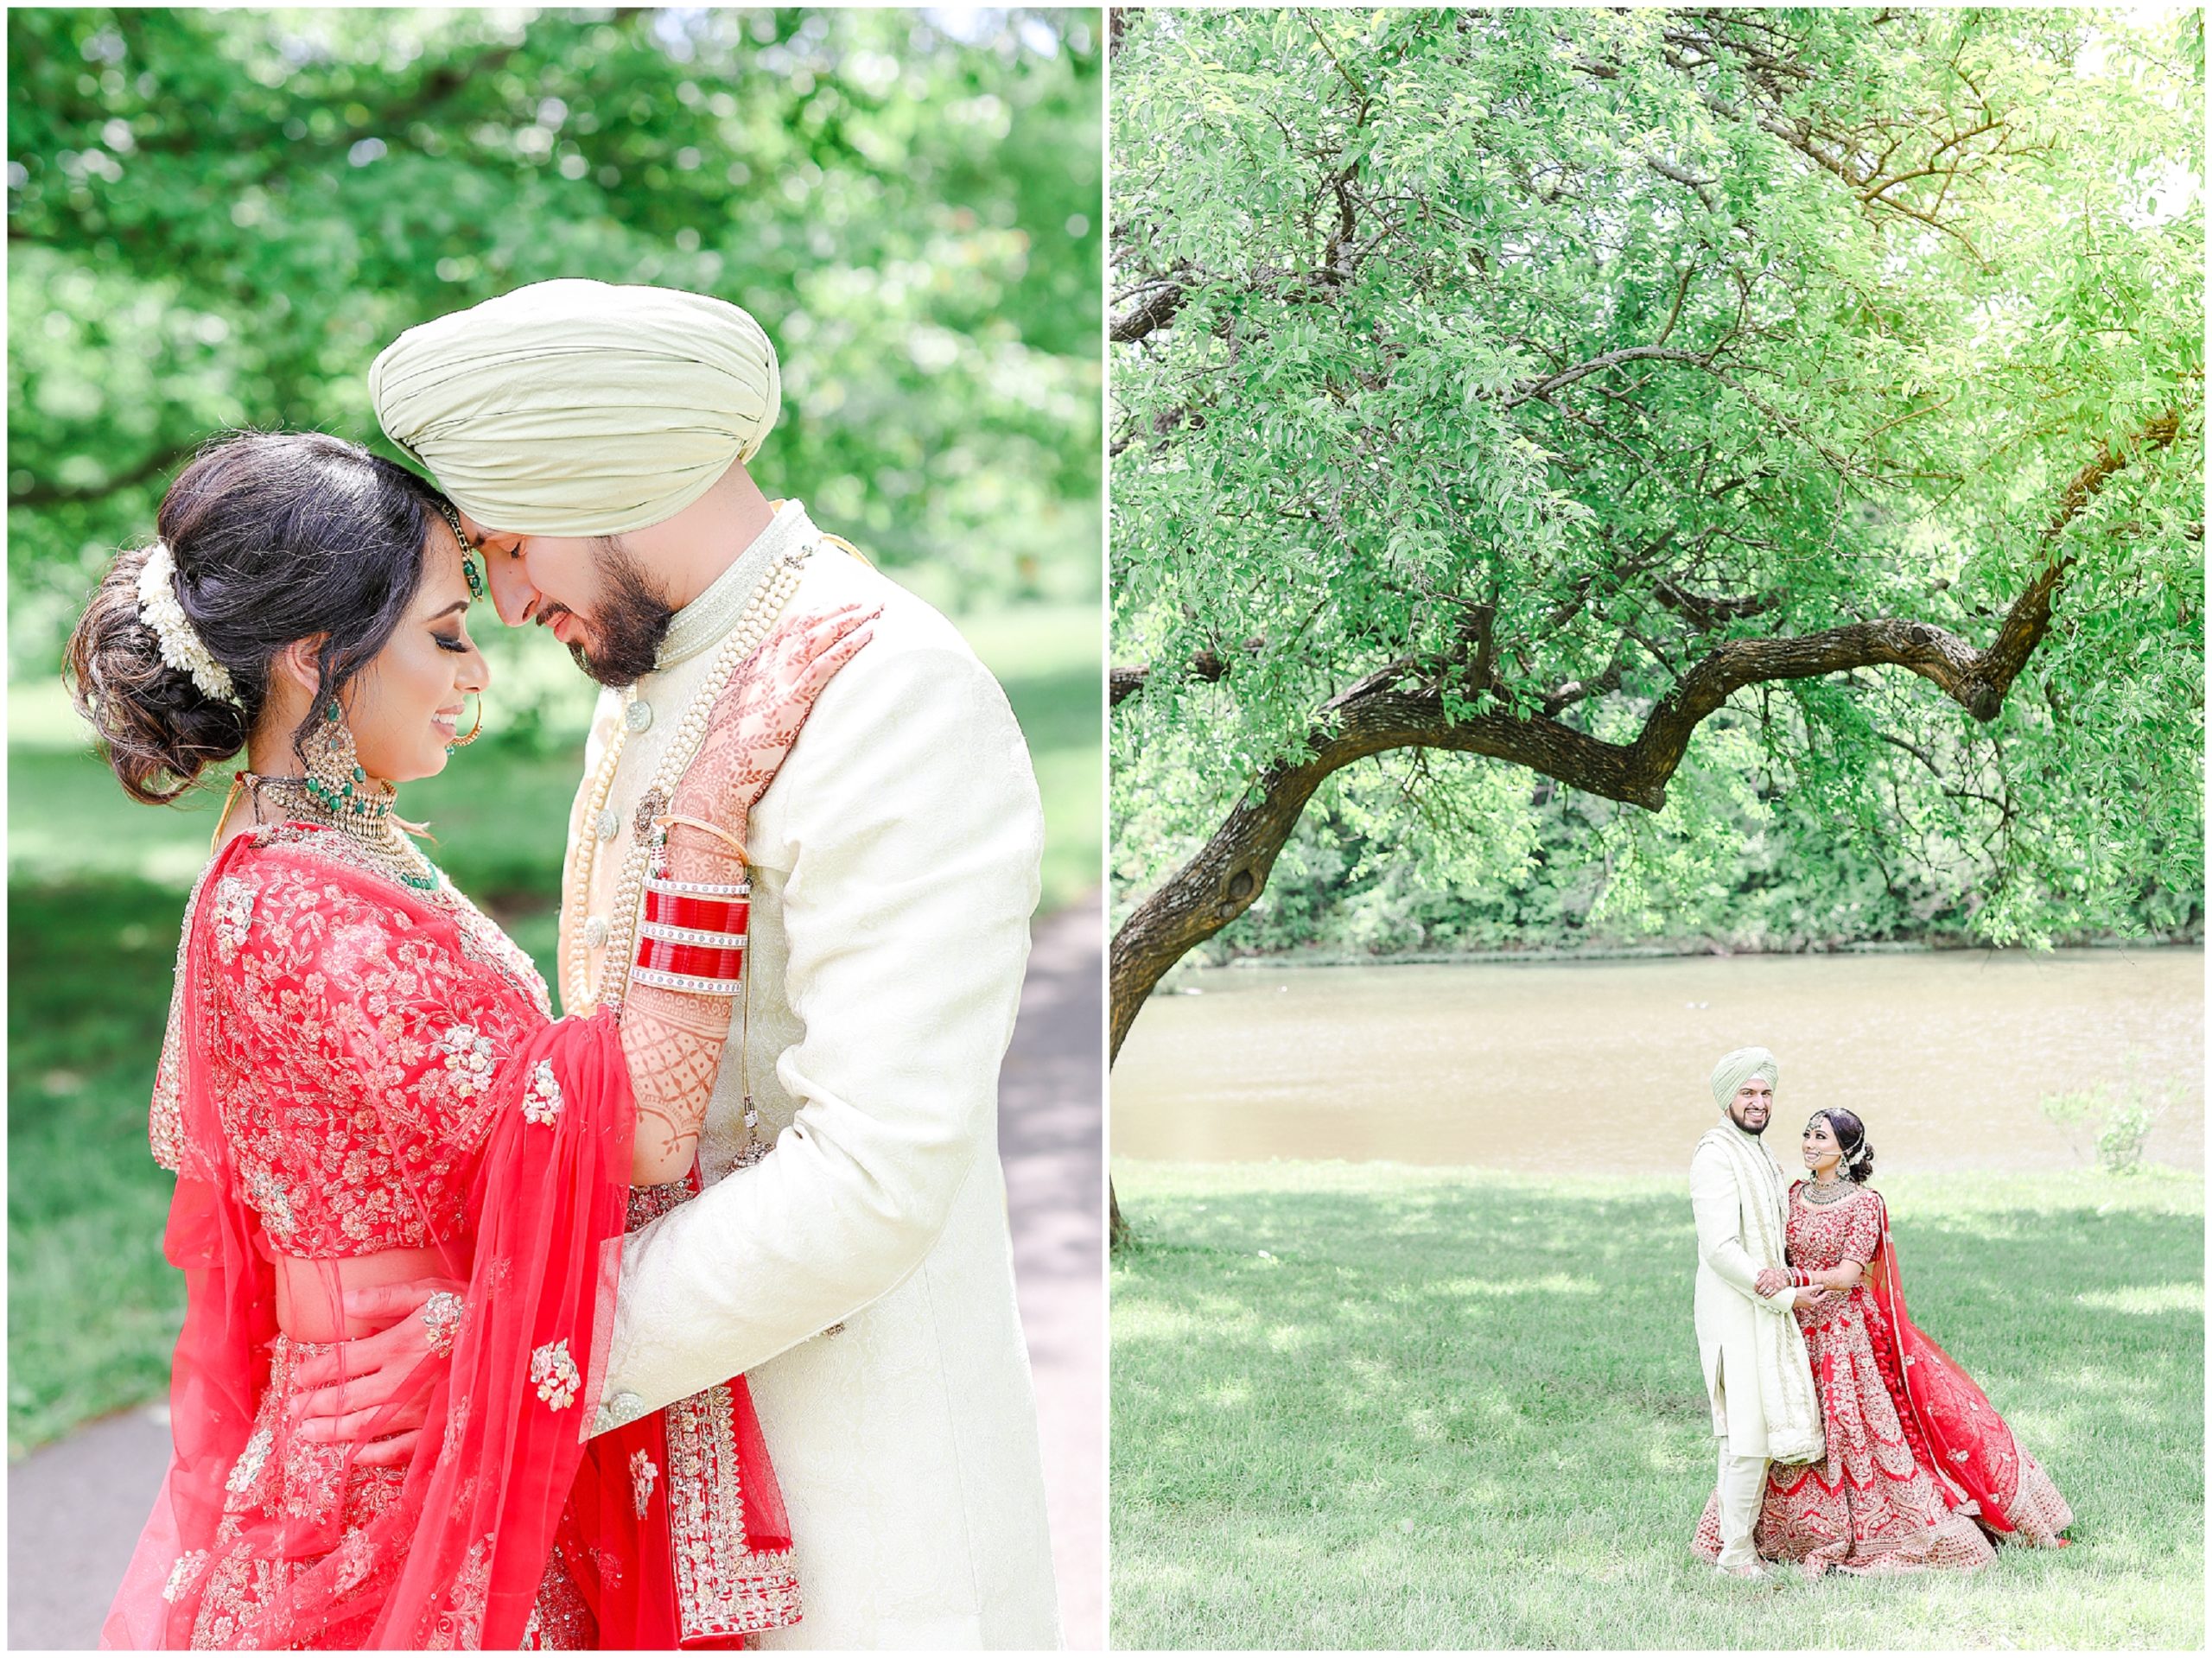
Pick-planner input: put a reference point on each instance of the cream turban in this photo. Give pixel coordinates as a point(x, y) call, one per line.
point(1738, 1068)
point(578, 408)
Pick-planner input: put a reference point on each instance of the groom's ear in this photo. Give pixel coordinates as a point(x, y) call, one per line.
point(300, 664)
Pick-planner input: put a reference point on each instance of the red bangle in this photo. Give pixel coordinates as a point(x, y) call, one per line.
point(699, 914)
point(690, 961)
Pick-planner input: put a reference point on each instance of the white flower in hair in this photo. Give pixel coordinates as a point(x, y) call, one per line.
point(180, 645)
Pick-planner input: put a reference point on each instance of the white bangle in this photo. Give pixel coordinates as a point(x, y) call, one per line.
point(676, 888)
point(668, 933)
point(653, 977)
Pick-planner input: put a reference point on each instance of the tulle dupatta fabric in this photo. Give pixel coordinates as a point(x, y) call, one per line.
point(456, 1549)
point(1968, 1442)
point(551, 1201)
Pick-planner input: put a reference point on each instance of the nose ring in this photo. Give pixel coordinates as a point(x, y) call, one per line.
point(474, 731)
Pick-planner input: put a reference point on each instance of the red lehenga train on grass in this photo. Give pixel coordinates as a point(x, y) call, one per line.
point(353, 1066)
point(1920, 1472)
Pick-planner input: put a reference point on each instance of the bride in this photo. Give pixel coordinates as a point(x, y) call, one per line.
point(361, 1086)
point(1920, 1472)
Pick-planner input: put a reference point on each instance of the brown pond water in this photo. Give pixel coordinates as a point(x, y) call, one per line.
point(1583, 1066)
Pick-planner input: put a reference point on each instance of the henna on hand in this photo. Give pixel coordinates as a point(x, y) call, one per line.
point(673, 1042)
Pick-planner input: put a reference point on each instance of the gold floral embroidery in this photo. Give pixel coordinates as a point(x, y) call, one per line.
point(460, 1627)
point(724, 1586)
point(165, 1119)
point(468, 1060)
point(643, 1472)
point(541, 1100)
point(555, 1374)
point(251, 1462)
point(234, 916)
point(184, 1574)
point(266, 1193)
point(456, 1424)
point(353, 1562)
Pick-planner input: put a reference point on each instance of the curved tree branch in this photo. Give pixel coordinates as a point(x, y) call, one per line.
point(1226, 876)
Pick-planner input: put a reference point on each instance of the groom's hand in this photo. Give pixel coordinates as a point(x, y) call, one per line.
point(358, 1380)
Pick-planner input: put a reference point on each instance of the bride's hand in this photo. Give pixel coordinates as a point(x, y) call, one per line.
point(1771, 1280)
point(356, 1380)
point(757, 719)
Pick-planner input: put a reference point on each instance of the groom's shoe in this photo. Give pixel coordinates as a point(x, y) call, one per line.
point(1751, 1573)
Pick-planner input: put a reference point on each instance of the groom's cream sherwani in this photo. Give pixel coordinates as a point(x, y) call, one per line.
point(1726, 1304)
point(1756, 1372)
point(895, 866)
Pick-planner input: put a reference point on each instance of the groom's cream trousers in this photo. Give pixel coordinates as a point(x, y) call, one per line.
point(1727, 1305)
point(1743, 1483)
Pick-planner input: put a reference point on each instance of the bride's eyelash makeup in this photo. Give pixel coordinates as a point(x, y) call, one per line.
point(452, 642)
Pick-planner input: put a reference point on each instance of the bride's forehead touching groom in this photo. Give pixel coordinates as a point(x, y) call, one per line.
point(597, 440)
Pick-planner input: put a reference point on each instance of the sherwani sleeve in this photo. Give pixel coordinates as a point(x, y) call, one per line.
point(1720, 1215)
point(913, 832)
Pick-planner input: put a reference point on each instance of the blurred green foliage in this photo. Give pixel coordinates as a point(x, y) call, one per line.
point(217, 219)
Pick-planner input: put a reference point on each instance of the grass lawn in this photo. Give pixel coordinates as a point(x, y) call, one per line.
point(1368, 1406)
point(95, 887)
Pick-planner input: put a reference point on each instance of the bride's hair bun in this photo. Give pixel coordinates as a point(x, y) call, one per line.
point(160, 729)
point(275, 536)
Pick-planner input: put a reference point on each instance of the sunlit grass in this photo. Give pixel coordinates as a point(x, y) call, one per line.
point(1364, 1407)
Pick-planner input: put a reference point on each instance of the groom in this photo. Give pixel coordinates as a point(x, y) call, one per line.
point(596, 439)
point(1756, 1370)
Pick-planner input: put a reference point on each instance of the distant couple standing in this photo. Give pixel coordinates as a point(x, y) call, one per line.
point(1847, 1438)
point(494, 1320)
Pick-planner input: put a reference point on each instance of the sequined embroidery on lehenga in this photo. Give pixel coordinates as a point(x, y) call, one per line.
point(1881, 1499)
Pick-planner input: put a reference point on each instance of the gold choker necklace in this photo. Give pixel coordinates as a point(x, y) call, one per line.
point(370, 825)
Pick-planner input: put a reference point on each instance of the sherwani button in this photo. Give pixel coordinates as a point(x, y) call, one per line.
point(595, 931)
point(638, 715)
point(609, 822)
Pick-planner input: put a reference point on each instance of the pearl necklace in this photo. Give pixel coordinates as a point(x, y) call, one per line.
point(580, 994)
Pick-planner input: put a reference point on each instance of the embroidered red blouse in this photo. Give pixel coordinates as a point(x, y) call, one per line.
point(358, 1028)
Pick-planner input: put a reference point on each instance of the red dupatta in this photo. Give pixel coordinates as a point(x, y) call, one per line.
point(1968, 1441)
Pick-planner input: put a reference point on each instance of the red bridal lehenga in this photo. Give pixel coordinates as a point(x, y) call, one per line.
point(353, 1065)
point(1917, 1455)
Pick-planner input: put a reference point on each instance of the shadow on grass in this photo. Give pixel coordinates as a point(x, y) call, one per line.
point(1467, 1411)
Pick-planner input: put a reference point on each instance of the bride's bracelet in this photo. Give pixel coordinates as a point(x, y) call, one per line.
point(692, 934)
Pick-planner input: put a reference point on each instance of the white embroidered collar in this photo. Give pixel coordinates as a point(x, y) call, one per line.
point(703, 623)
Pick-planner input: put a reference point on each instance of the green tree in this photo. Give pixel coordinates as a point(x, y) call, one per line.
point(1557, 387)
point(218, 218)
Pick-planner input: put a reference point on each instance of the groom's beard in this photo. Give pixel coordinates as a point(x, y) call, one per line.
point(631, 621)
